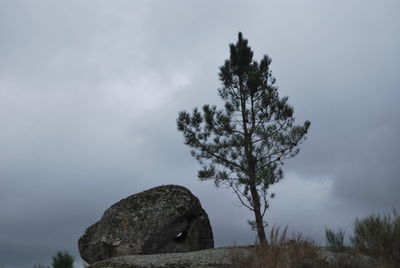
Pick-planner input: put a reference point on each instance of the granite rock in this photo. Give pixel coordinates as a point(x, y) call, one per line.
point(163, 219)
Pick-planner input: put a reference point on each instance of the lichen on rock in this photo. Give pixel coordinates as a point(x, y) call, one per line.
point(163, 219)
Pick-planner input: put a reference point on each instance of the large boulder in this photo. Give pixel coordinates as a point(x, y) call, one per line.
point(162, 219)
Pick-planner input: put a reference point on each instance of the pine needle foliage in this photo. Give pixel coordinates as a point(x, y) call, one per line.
point(243, 145)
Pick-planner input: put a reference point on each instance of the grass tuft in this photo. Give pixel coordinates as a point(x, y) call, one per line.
point(281, 251)
point(335, 241)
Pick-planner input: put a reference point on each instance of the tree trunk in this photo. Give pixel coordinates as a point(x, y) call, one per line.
point(257, 213)
point(248, 148)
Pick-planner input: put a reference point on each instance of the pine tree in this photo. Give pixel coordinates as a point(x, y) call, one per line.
point(244, 144)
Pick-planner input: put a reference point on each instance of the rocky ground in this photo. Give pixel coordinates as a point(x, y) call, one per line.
point(216, 258)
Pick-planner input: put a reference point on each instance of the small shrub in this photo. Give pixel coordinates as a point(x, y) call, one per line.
point(378, 236)
point(63, 259)
point(335, 241)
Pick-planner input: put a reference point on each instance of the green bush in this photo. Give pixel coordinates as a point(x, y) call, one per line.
point(335, 241)
point(378, 236)
point(63, 259)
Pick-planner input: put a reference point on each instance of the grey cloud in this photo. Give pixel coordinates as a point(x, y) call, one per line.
point(90, 91)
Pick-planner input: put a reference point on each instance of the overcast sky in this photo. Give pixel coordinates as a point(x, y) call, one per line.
point(90, 92)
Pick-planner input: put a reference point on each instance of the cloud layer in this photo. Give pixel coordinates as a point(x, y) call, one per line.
point(90, 91)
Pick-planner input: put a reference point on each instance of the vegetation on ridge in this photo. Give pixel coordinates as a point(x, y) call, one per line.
point(375, 244)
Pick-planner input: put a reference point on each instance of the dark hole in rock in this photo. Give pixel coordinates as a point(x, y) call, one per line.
point(180, 237)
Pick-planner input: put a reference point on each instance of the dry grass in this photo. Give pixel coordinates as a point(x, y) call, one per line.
point(296, 252)
point(281, 251)
point(335, 240)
